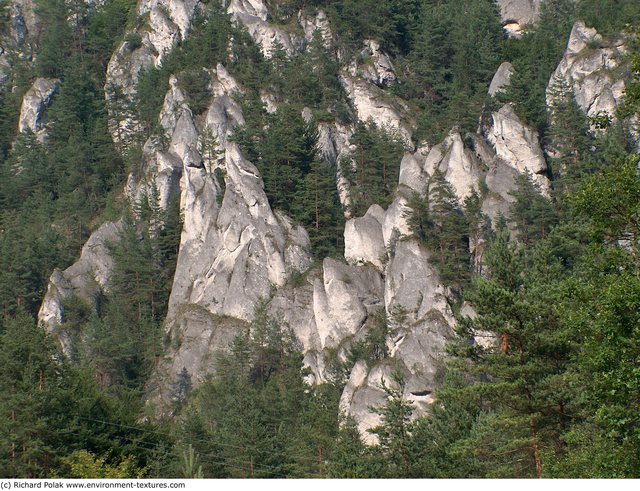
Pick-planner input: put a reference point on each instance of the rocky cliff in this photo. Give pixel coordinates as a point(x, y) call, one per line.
point(236, 251)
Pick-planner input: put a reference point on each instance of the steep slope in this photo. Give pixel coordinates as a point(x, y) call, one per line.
point(236, 251)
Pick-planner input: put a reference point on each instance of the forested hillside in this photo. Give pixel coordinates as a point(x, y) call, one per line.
point(319, 238)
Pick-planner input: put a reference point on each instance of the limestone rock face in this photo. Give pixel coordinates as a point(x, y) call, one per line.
point(20, 36)
point(167, 22)
point(501, 79)
point(517, 14)
point(517, 145)
point(34, 106)
point(319, 23)
point(364, 390)
point(416, 347)
point(333, 144)
point(343, 299)
point(414, 284)
point(253, 14)
point(378, 68)
point(372, 103)
point(587, 67)
point(88, 275)
point(236, 252)
point(363, 239)
point(456, 163)
point(195, 344)
point(233, 246)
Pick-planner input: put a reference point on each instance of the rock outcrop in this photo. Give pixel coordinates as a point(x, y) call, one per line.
point(254, 14)
point(372, 103)
point(516, 15)
point(85, 278)
point(22, 27)
point(501, 79)
point(318, 24)
point(377, 67)
point(236, 252)
point(588, 67)
point(518, 145)
point(34, 106)
point(363, 239)
point(162, 23)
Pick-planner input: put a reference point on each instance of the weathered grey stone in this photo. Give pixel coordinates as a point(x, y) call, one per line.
point(587, 67)
point(232, 253)
point(363, 391)
point(85, 278)
point(377, 68)
point(168, 21)
point(333, 144)
point(394, 224)
point(372, 103)
point(34, 106)
point(318, 24)
point(196, 339)
point(253, 14)
point(363, 239)
point(459, 166)
point(412, 174)
point(342, 299)
point(516, 15)
point(518, 145)
point(412, 283)
point(501, 79)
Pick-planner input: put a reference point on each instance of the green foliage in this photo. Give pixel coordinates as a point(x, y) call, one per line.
point(570, 138)
point(105, 29)
point(284, 147)
point(373, 347)
point(317, 206)
point(208, 44)
point(258, 416)
point(534, 59)
point(190, 466)
point(122, 343)
point(57, 38)
point(372, 169)
point(438, 222)
point(456, 52)
point(393, 22)
point(531, 213)
point(394, 431)
point(610, 201)
point(52, 411)
point(85, 465)
point(609, 17)
point(551, 391)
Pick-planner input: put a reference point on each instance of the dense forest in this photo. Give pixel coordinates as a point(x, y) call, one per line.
point(557, 291)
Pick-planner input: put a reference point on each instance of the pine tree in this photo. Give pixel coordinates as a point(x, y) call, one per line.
point(394, 432)
point(520, 374)
point(372, 169)
point(569, 136)
point(532, 213)
point(317, 206)
point(57, 38)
